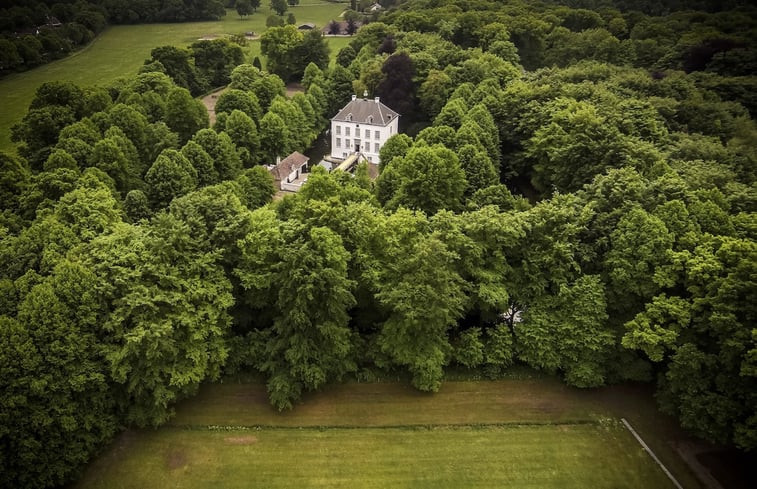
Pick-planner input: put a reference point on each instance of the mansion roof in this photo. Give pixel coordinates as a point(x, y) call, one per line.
point(366, 111)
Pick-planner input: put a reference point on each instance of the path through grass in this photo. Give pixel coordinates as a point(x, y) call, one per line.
point(514, 433)
point(120, 51)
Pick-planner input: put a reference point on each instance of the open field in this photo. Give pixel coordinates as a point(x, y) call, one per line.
point(573, 456)
point(512, 433)
point(120, 51)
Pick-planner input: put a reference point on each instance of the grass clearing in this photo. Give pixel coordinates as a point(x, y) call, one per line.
point(120, 51)
point(577, 456)
point(523, 433)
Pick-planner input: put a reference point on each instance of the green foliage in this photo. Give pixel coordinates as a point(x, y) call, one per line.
point(171, 176)
point(424, 297)
point(427, 179)
point(169, 316)
point(565, 332)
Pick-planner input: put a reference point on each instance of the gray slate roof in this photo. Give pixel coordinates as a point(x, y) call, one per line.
point(362, 110)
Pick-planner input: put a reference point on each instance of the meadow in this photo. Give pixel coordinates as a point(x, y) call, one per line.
point(520, 433)
point(120, 50)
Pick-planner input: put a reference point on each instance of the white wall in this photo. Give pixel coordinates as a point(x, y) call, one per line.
point(370, 152)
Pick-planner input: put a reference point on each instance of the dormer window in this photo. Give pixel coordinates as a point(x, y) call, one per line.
point(370, 119)
point(349, 117)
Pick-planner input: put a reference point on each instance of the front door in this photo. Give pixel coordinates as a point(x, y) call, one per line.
point(357, 146)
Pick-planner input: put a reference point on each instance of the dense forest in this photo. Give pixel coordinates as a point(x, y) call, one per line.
point(141, 253)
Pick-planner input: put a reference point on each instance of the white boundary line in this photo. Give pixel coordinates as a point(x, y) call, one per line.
point(650, 452)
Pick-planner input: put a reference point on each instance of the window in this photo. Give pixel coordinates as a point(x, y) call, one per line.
point(346, 130)
point(346, 143)
point(367, 134)
point(377, 134)
point(376, 146)
point(370, 158)
point(338, 130)
point(338, 142)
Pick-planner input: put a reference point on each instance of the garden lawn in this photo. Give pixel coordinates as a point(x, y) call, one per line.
point(525, 432)
point(120, 50)
point(572, 456)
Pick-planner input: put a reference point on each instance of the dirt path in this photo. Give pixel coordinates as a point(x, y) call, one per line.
point(210, 100)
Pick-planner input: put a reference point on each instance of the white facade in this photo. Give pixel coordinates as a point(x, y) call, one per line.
point(362, 126)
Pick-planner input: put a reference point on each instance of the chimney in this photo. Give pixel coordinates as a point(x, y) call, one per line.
point(365, 94)
point(376, 99)
point(278, 160)
point(354, 97)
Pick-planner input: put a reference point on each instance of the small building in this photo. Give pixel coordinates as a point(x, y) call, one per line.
point(362, 127)
point(308, 26)
point(376, 7)
point(291, 172)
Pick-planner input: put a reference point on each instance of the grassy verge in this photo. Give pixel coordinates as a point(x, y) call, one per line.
point(121, 50)
point(528, 432)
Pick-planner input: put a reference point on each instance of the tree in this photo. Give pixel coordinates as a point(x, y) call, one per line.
point(243, 77)
point(334, 28)
point(312, 49)
point(244, 134)
point(177, 65)
point(478, 168)
point(576, 145)
point(268, 88)
point(434, 92)
point(279, 6)
point(57, 409)
point(396, 146)
point(273, 137)
point(427, 179)
point(226, 162)
point(169, 177)
point(244, 8)
point(397, 90)
point(701, 336)
point(202, 163)
point(169, 318)
point(184, 114)
point(280, 45)
point(235, 99)
point(305, 273)
point(216, 59)
point(255, 187)
point(640, 249)
point(567, 332)
point(108, 157)
point(425, 298)
point(351, 26)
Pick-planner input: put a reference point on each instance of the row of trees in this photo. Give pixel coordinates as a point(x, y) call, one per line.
point(40, 31)
point(31, 35)
point(203, 65)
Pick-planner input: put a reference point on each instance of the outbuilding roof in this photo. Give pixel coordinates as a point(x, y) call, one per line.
point(289, 164)
point(366, 111)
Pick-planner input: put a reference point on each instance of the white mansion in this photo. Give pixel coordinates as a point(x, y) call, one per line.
point(362, 127)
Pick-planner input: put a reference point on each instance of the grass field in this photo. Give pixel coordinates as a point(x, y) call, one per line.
point(529, 433)
point(121, 50)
